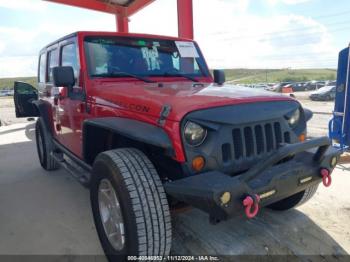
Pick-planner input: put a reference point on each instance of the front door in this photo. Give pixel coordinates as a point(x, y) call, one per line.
point(71, 108)
point(24, 95)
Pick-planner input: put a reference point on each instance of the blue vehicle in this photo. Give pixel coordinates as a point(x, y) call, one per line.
point(339, 126)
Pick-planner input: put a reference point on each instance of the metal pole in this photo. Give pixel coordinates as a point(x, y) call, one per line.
point(346, 93)
point(185, 18)
point(122, 23)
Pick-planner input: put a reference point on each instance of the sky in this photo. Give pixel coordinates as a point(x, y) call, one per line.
point(231, 33)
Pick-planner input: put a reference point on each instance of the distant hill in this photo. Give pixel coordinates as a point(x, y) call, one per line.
point(243, 76)
point(249, 76)
point(8, 82)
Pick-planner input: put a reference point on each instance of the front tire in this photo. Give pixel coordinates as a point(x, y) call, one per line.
point(129, 206)
point(294, 200)
point(44, 146)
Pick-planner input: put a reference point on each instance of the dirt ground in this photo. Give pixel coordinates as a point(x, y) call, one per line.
point(50, 213)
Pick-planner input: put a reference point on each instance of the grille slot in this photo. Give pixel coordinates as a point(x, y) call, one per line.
point(287, 137)
point(260, 144)
point(278, 133)
point(238, 143)
point(269, 137)
point(249, 141)
point(226, 152)
point(260, 139)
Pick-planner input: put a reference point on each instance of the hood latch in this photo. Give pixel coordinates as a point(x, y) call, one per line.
point(166, 109)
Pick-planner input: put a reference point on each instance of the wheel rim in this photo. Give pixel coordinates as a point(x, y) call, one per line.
point(111, 215)
point(40, 146)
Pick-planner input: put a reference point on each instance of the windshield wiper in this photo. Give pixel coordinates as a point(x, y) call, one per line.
point(181, 75)
point(121, 74)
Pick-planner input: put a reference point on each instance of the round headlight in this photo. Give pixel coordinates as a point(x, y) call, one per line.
point(294, 118)
point(194, 134)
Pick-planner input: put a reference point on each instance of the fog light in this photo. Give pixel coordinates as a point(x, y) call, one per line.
point(302, 138)
point(198, 163)
point(334, 161)
point(225, 198)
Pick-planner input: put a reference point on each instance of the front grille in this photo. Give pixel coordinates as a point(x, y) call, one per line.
point(256, 140)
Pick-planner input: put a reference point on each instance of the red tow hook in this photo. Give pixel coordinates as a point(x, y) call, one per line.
point(249, 202)
point(326, 177)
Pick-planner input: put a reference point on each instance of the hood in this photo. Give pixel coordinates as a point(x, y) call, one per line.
point(183, 98)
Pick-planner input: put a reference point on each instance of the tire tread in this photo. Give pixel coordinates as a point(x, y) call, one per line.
point(149, 202)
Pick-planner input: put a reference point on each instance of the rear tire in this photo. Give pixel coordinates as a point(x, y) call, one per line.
point(44, 146)
point(294, 200)
point(143, 223)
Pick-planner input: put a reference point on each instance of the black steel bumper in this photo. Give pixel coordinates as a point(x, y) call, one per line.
point(289, 170)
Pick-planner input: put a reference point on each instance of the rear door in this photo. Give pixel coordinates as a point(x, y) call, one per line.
point(24, 95)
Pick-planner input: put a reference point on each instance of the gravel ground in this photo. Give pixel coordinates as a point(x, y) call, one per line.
point(7, 112)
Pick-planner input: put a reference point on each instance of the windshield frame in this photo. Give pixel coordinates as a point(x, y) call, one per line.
point(202, 66)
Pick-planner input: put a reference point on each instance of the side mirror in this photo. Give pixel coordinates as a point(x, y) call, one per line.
point(219, 77)
point(63, 76)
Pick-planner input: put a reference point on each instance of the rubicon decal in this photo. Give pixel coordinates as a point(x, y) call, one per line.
point(133, 107)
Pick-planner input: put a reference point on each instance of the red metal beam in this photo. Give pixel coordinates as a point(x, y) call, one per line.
point(122, 23)
point(137, 5)
point(92, 5)
point(185, 18)
point(185, 12)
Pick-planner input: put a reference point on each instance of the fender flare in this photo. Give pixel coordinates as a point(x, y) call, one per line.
point(131, 129)
point(43, 110)
point(308, 114)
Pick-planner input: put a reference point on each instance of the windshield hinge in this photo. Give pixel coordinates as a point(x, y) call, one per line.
point(166, 109)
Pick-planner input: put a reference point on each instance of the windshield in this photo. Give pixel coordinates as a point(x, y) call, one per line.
point(125, 56)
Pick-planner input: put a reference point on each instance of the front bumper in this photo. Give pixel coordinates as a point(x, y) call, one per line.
point(287, 171)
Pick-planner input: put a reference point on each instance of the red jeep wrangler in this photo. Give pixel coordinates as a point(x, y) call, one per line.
point(140, 120)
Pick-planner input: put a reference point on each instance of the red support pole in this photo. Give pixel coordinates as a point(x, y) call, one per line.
point(122, 23)
point(185, 18)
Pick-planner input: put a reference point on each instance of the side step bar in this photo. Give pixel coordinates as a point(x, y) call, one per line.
point(76, 167)
point(77, 172)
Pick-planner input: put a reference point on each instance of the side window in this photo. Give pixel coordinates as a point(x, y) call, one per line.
point(52, 61)
point(70, 58)
point(42, 67)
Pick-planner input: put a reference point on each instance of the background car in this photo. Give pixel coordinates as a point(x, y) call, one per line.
point(314, 85)
point(260, 86)
point(277, 87)
point(6, 92)
point(297, 87)
point(326, 93)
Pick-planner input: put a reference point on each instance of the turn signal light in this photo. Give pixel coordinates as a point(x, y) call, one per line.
point(302, 138)
point(198, 163)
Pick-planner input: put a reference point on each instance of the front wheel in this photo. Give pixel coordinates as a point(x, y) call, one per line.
point(129, 206)
point(294, 200)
